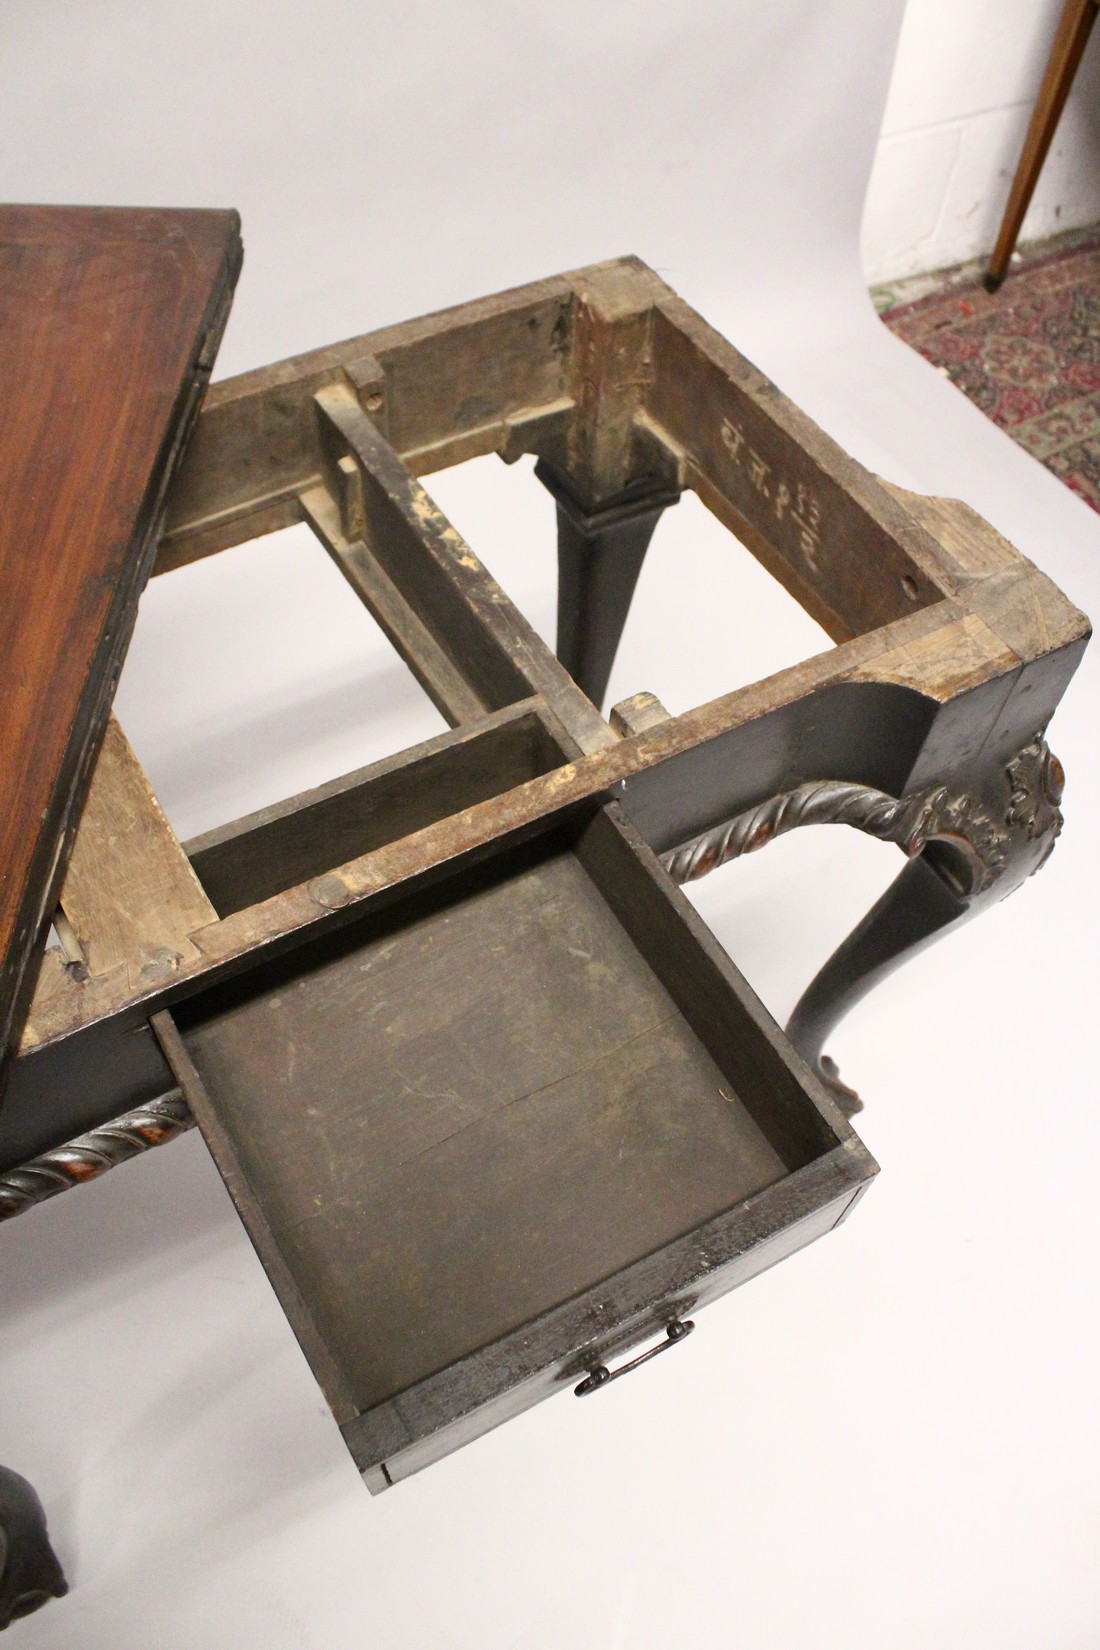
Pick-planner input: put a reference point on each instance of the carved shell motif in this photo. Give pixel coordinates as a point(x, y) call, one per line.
point(1037, 781)
point(1021, 839)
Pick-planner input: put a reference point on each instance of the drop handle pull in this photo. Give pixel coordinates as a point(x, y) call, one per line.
point(599, 1375)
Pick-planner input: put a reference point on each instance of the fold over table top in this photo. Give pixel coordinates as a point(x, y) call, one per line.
point(109, 322)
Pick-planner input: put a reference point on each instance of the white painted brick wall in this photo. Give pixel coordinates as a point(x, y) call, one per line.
point(963, 88)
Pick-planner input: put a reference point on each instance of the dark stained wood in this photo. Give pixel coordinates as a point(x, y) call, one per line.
point(486, 1103)
point(600, 557)
point(30, 1573)
point(493, 1103)
point(743, 1040)
point(80, 1082)
point(83, 1043)
point(412, 1431)
point(109, 320)
point(64, 1004)
point(290, 842)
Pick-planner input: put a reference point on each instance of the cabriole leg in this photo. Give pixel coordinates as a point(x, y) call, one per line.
point(915, 910)
point(974, 850)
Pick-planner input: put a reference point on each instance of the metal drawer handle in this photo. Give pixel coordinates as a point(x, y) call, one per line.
point(599, 1375)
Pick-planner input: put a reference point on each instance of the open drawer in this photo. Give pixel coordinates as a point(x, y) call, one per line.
point(494, 1135)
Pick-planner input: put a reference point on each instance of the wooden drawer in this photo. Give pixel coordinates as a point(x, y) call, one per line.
point(505, 1129)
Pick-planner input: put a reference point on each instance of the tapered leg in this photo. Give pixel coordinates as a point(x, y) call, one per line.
point(600, 556)
point(1074, 29)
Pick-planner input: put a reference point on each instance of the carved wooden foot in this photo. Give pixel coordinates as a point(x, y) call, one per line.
point(973, 849)
point(600, 555)
point(30, 1574)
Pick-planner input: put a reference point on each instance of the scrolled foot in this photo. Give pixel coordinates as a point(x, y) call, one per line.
point(829, 1072)
point(30, 1573)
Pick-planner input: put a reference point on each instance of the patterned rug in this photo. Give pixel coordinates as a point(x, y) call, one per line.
point(1028, 355)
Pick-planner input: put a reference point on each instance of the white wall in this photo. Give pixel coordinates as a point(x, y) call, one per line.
point(964, 84)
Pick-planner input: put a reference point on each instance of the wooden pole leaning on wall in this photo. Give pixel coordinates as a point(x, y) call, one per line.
point(1070, 41)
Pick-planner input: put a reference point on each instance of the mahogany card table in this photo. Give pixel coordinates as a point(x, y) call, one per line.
point(494, 1106)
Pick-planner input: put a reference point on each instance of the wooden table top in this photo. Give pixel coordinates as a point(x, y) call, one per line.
point(109, 321)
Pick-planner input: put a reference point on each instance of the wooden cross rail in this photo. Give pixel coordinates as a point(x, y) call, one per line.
point(952, 651)
point(471, 1191)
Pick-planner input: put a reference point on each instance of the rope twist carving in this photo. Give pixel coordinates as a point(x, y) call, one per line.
point(823, 802)
point(92, 1154)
